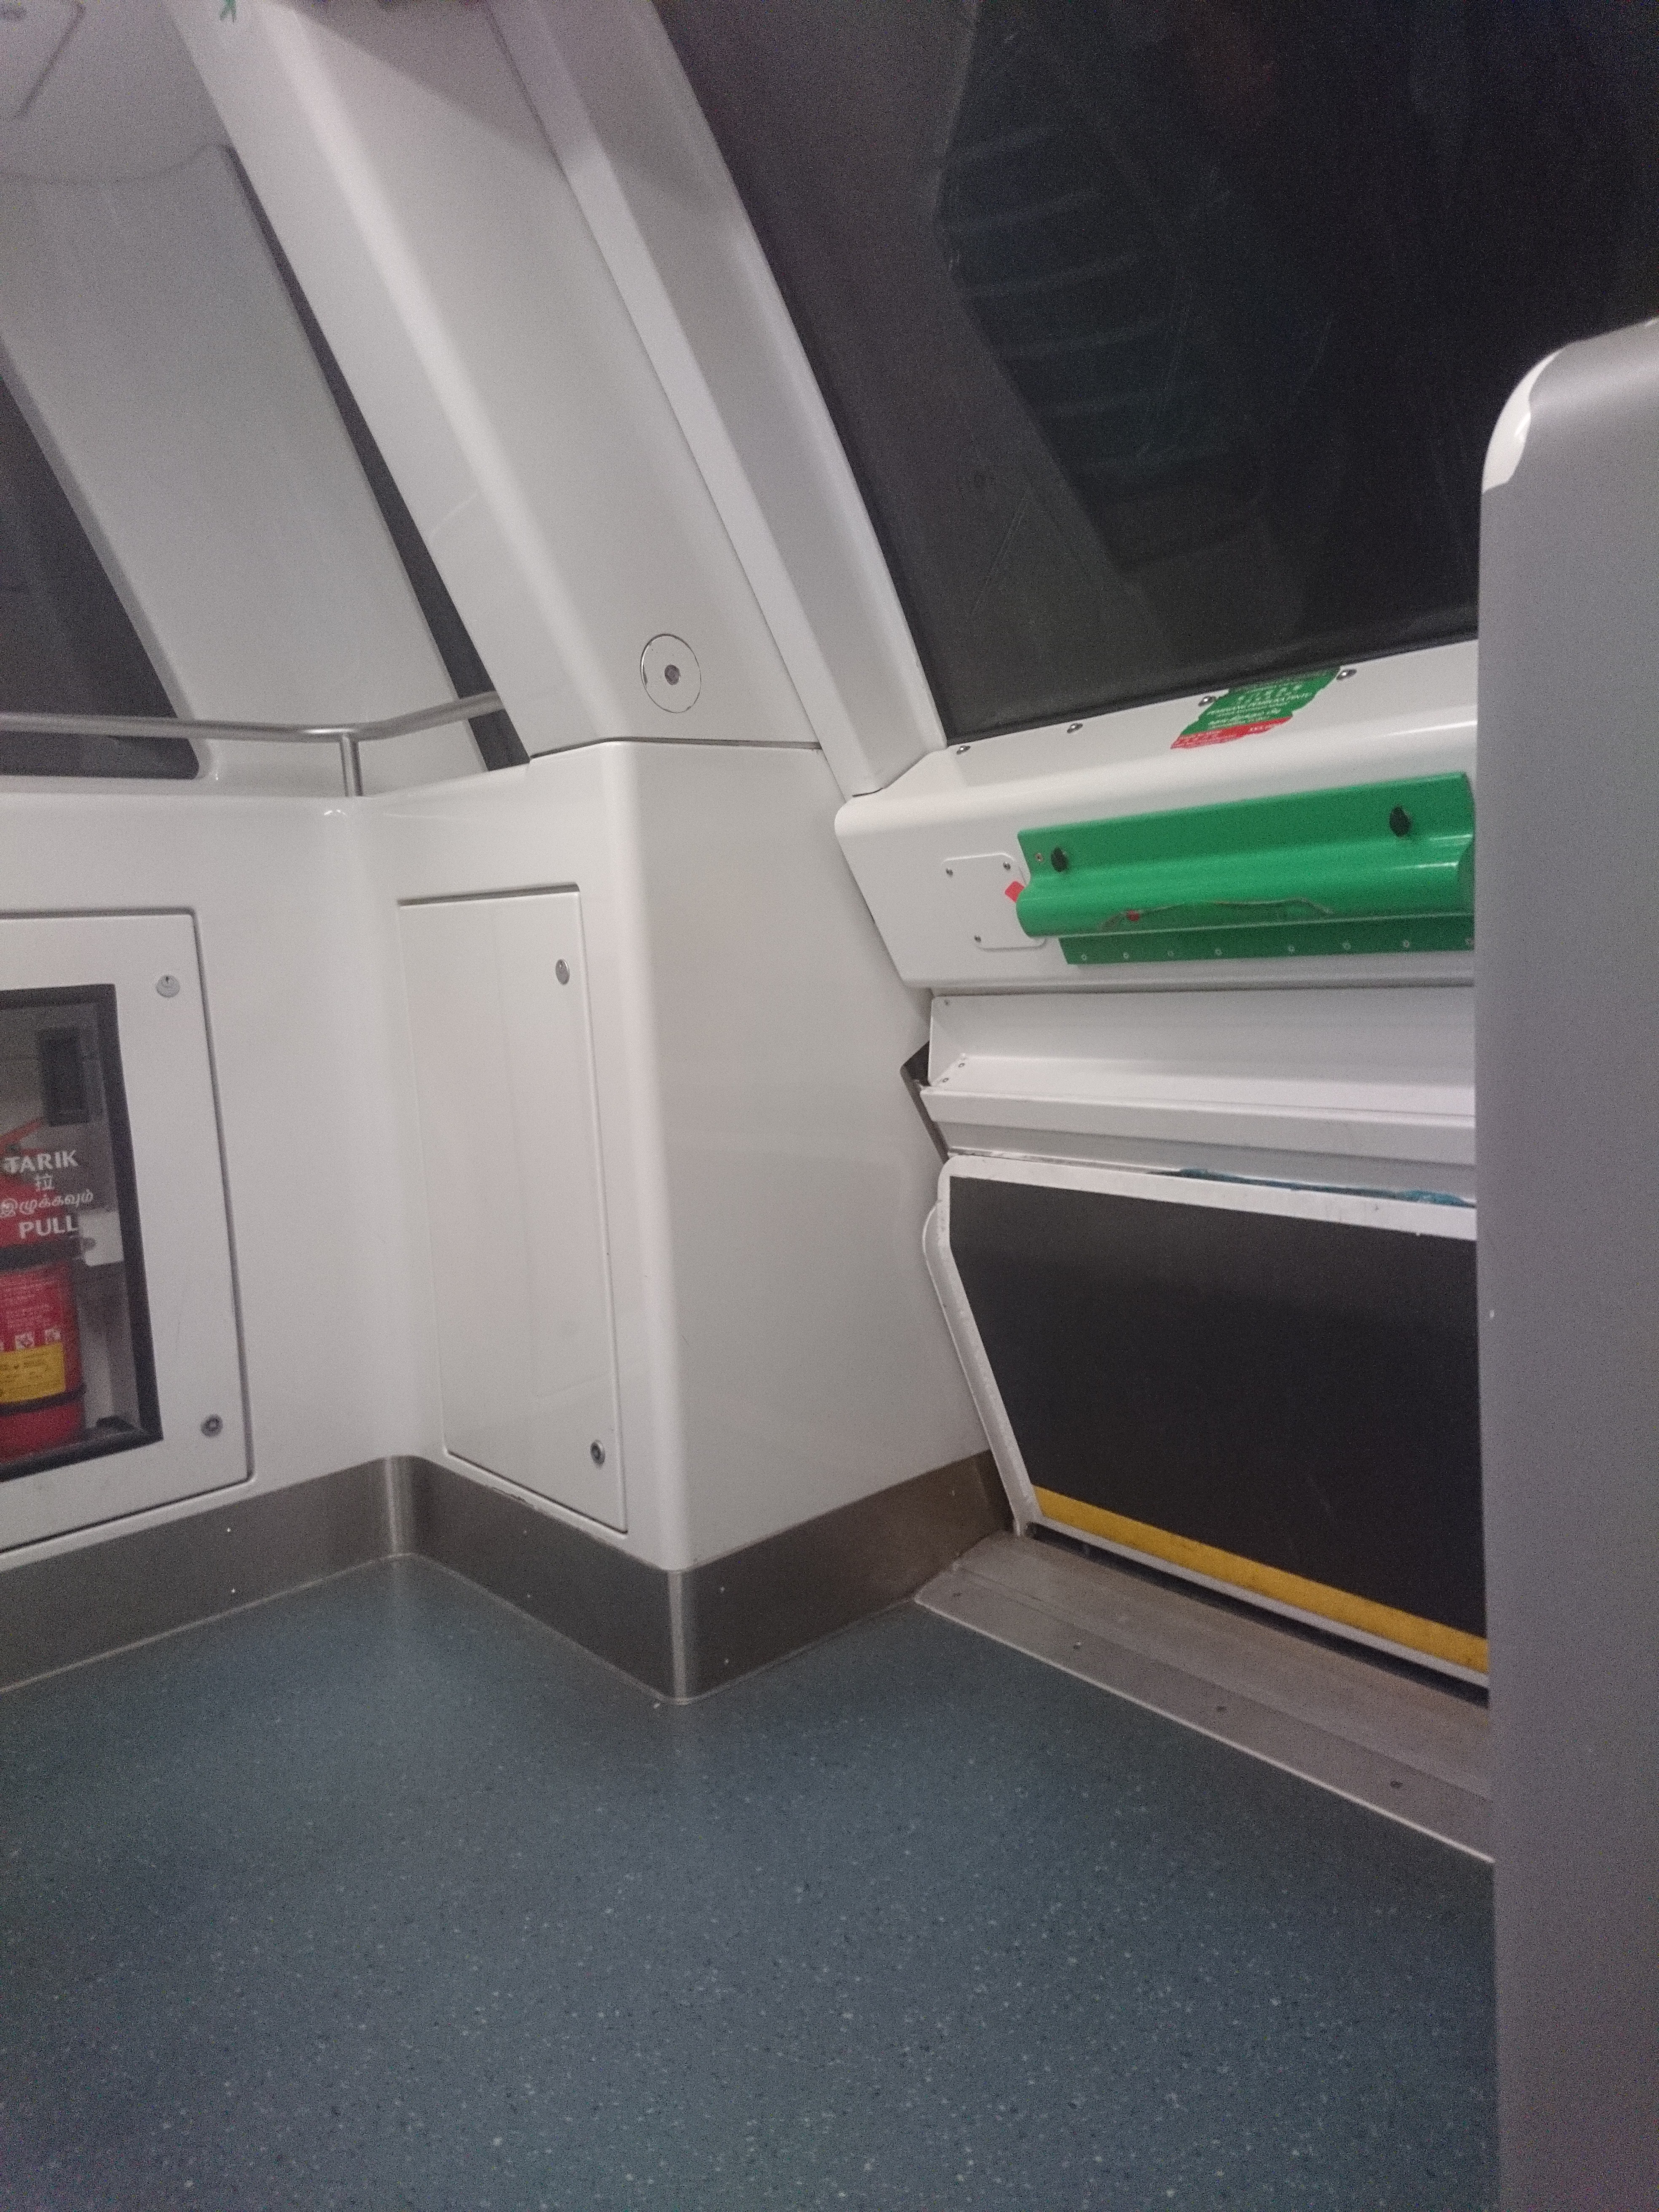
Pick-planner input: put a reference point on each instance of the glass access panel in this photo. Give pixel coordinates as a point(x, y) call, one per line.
point(77, 1378)
point(1166, 337)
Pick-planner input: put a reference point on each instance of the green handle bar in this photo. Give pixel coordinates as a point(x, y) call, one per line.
point(1322, 871)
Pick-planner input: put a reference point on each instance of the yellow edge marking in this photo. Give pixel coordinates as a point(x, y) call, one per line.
point(1407, 1629)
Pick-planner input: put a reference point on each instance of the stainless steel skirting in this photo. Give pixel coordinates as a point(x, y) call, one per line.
point(81, 1604)
point(680, 1633)
point(1407, 1744)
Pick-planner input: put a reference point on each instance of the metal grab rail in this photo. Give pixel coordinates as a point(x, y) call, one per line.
point(347, 736)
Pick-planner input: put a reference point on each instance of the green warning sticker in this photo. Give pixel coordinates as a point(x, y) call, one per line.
point(1248, 708)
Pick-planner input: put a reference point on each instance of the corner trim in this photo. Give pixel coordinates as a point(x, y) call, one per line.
point(680, 1633)
point(596, 1593)
point(758, 1604)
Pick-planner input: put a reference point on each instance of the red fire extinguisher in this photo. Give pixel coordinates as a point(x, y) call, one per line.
point(41, 1386)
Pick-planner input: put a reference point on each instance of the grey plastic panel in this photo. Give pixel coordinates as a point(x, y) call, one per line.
point(1567, 1079)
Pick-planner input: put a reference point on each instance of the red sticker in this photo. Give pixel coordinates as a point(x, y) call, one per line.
point(1184, 744)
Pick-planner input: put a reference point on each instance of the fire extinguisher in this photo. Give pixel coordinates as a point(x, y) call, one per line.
point(41, 1386)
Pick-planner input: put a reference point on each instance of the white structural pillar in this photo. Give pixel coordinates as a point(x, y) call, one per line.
point(458, 284)
point(1567, 1078)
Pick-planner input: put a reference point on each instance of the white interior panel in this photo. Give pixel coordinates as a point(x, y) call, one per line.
point(181, 1203)
point(628, 131)
point(453, 269)
point(120, 99)
point(304, 994)
point(30, 33)
point(510, 1146)
point(815, 1366)
point(149, 336)
point(1410, 714)
point(1330, 1085)
point(780, 1347)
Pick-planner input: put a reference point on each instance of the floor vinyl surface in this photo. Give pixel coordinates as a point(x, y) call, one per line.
point(379, 1896)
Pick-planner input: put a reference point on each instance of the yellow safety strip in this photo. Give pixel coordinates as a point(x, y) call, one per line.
point(1407, 1629)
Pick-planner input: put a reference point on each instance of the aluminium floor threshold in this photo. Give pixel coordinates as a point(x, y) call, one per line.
point(1380, 1735)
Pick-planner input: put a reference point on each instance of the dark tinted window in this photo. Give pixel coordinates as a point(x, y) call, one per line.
point(67, 646)
point(1167, 336)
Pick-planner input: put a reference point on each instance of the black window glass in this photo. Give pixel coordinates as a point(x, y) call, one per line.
point(1167, 336)
point(67, 646)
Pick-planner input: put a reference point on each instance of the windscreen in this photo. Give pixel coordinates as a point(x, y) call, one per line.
point(1166, 335)
point(67, 644)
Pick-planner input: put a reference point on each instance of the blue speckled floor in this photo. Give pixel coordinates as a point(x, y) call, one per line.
point(379, 1896)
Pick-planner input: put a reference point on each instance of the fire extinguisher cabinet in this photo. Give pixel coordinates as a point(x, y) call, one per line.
point(111, 1211)
point(66, 1159)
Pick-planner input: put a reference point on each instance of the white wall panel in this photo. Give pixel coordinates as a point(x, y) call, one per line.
point(460, 286)
point(149, 338)
point(564, 820)
point(515, 1206)
point(327, 1263)
point(631, 139)
point(121, 100)
point(780, 1350)
point(816, 1364)
point(1324, 1086)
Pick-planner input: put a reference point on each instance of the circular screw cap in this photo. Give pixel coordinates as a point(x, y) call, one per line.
point(562, 971)
point(670, 673)
point(168, 986)
point(596, 1452)
point(212, 1427)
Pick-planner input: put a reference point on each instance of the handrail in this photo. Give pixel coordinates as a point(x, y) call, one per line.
point(348, 736)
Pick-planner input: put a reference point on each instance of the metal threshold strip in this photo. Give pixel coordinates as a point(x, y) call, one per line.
point(349, 736)
point(1380, 1735)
